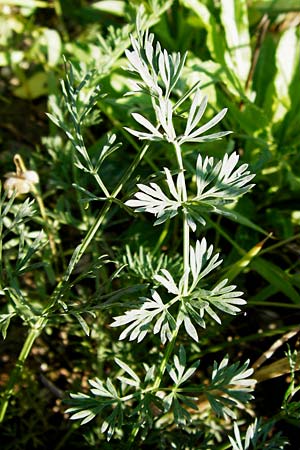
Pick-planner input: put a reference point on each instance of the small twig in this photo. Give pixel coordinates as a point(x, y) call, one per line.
point(58, 393)
point(267, 354)
point(275, 370)
point(262, 29)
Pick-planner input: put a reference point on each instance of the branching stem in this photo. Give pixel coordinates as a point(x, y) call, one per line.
point(62, 285)
point(186, 246)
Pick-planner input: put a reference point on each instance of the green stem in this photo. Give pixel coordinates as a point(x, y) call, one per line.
point(79, 251)
point(118, 125)
point(81, 145)
point(61, 287)
point(167, 355)
point(44, 216)
point(15, 375)
point(162, 237)
point(83, 213)
point(186, 258)
point(186, 230)
point(280, 244)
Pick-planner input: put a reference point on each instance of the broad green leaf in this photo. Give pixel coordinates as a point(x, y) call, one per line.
point(275, 6)
point(234, 19)
point(53, 46)
point(116, 7)
point(241, 219)
point(34, 87)
point(208, 72)
point(287, 61)
point(276, 277)
point(27, 3)
point(264, 294)
point(216, 42)
point(200, 10)
point(264, 73)
point(215, 39)
point(251, 118)
point(239, 266)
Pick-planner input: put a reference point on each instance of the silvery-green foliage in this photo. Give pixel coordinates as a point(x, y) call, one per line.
point(258, 437)
point(192, 133)
point(154, 313)
point(217, 184)
point(14, 216)
point(80, 98)
point(113, 403)
point(15, 234)
point(176, 400)
point(116, 39)
point(230, 387)
point(21, 305)
point(105, 396)
point(152, 199)
point(159, 73)
point(165, 110)
point(203, 302)
point(5, 319)
point(26, 251)
point(185, 302)
point(222, 180)
point(202, 262)
point(144, 264)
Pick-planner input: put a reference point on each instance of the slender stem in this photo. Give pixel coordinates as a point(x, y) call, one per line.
point(186, 257)
point(42, 208)
point(164, 362)
point(79, 251)
point(162, 237)
point(15, 375)
point(101, 185)
point(275, 304)
point(262, 29)
point(81, 144)
point(61, 287)
point(186, 230)
point(118, 125)
point(280, 244)
point(76, 180)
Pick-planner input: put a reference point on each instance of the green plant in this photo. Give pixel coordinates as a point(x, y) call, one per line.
point(188, 302)
point(99, 256)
